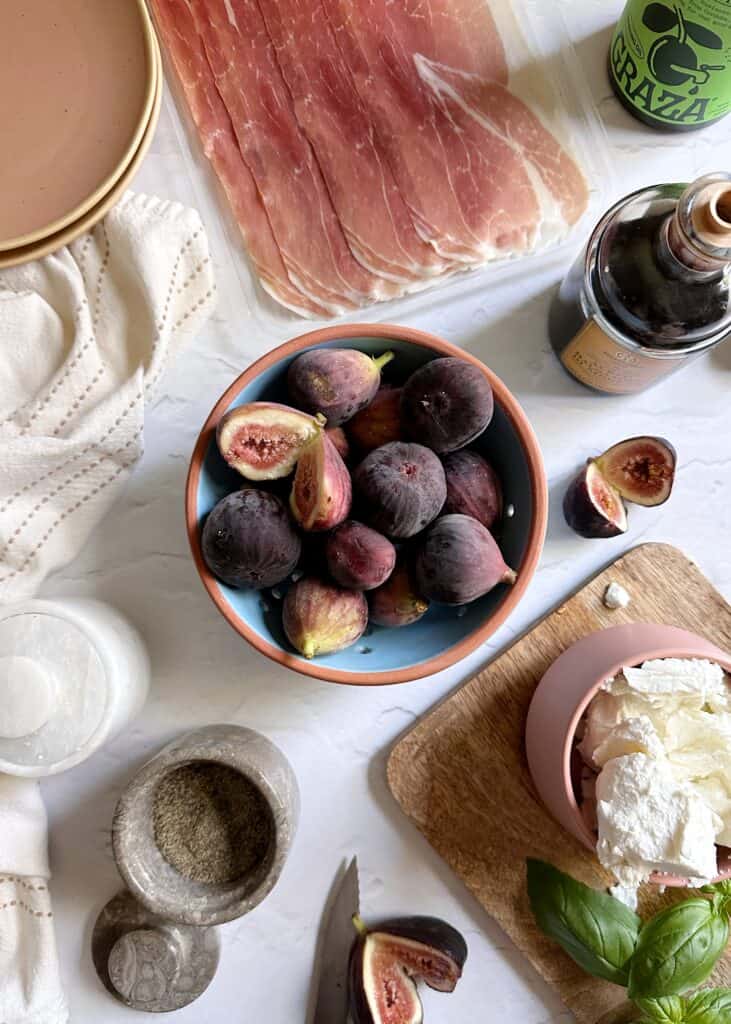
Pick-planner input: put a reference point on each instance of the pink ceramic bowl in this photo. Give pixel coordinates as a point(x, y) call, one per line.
point(561, 699)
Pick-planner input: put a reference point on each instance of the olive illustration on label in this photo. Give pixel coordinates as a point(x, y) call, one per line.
point(672, 58)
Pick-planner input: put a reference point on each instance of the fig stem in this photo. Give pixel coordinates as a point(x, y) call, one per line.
point(510, 576)
point(359, 924)
point(309, 648)
point(380, 361)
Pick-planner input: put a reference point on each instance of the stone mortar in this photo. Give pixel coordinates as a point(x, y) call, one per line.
point(155, 883)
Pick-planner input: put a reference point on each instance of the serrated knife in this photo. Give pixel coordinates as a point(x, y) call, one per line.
point(329, 995)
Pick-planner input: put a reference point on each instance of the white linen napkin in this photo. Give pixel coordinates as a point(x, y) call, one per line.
point(30, 985)
point(84, 337)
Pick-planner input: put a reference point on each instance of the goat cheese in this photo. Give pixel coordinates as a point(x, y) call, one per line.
point(648, 821)
point(615, 596)
point(660, 738)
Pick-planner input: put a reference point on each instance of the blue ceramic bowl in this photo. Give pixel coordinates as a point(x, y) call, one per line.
point(444, 634)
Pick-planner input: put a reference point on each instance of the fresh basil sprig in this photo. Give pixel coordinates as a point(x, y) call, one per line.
point(596, 930)
point(666, 1010)
point(709, 1006)
point(677, 949)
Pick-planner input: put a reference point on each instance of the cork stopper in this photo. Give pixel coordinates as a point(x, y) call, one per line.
point(711, 215)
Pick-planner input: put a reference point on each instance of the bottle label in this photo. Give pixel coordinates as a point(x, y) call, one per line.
point(672, 61)
point(597, 360)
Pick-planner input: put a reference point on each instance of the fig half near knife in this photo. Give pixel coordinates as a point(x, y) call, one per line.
point(386, 961)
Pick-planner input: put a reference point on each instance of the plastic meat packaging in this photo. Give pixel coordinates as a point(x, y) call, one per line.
point(543, 73)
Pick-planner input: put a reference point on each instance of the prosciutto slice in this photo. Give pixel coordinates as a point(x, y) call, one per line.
point(221, 148)
point(280, 159)
point(460, 34)
point(367, 146)
point(372, 213)
point(469, 192)
point(555, 175)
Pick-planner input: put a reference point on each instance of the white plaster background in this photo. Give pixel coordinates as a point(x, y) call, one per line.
point(337, 737)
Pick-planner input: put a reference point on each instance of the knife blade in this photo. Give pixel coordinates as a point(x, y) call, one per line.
point(329, 998)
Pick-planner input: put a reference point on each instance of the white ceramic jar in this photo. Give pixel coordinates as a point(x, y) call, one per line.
point(73, 674)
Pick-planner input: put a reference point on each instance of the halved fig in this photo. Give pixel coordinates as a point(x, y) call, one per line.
point(264, 440)
point(339, 439)
point(642, 469)
point(322, 492)
point(592, 507)
point(385, 961)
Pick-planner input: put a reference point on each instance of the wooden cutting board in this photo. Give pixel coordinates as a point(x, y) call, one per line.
point(461, 775)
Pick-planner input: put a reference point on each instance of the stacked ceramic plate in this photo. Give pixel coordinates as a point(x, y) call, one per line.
point(81, 83)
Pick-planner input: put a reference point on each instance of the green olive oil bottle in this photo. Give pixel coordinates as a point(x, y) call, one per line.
point(670, 62)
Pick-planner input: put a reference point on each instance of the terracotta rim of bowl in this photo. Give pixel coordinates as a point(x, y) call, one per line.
point(72, 217)
point(526, 569)
point(590, 841)
point(52, 243)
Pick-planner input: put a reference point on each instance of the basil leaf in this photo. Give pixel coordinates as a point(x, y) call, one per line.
point(667, 1010)
point(596, 931)
point(677, 950)
point(711, 1006)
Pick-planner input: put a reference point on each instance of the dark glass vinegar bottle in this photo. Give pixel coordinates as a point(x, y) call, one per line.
point(651, 289)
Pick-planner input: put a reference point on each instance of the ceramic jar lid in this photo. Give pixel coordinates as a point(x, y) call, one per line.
point(73, 673)
point(54, 690)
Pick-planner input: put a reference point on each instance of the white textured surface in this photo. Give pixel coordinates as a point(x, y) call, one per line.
point(337, 738)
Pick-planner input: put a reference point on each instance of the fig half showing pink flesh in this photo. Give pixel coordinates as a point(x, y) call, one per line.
point(264, 440)
point(384, 964)
point(641, 468)
point(592, 507)
point(321, 491)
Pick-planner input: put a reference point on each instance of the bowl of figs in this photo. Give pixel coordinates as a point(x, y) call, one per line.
point(366, 504)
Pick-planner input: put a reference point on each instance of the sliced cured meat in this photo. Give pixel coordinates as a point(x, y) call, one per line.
point(221, 148)
point(280, 158)
point(557, 178)
point(468, 191)
point(404, 119)
point(460, 34)
point(371, 211)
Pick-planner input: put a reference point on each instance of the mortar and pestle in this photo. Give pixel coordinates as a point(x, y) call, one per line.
point(154, 945)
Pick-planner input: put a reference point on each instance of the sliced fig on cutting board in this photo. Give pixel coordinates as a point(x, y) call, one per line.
point(385, 962)
point(642, 469)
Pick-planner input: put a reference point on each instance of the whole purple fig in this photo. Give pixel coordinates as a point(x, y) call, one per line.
point(248, 540)
point(395, 602)
point(336, 382)
point(459, 561)
point(446, 404)
point(320, 618)
point(358, 557)
point(379, 423)
point(400, 488)
point(473, 487)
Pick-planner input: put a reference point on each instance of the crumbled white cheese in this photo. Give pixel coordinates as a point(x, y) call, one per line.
point(677, 676)
point(615, 596)
point(661, 737)
point(632, 736)
point(648, 821)
point(626, 894)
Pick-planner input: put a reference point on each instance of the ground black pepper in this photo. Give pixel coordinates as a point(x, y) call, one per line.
point(211, 823)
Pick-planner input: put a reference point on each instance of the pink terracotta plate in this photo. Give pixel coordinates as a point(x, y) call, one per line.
point(77, 86)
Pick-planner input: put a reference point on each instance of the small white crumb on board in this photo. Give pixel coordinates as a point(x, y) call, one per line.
point(615, 596)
